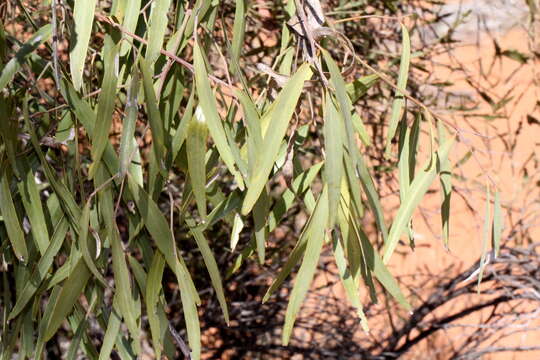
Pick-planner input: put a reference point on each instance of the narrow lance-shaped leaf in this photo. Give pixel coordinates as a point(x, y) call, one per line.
point(127, 145)
point(70, 292)
point(445, 174)
point(418, 188)
point(43, 265)
point(156, 29)
point(344, 104)
point(131, 18)
point(303, 280)
point(207, 102)
point(28, 189)
point(105, 108)
point(238, 225)
point(11, 220)
point(333, 169)
point(399, 101)
point(159, 140)
point(153, 287)
point(88, 253)
point(158, 228)
point(284, 107)
point(260, 217)
point(14, 65)
point(349, 283)
point(211, 266)
point(196, 153)
point(238, 33)
point(83, 18)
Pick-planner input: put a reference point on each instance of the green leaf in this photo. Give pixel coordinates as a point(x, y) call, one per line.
point(196, 154)
point(42, 268)
point(260, 217)
point(351, 288)
point(111, 334)
point(31, 200)
point(284, 107)
point(11, 220)
point(159, 140)
point(207, 102)
point(87, 252)
point(105, 107)
point(14, 65)
point(344, 104)
point(129, 23)
point(211, 265)
point(417, 190)
point(127, 141)
point(153, 287)
point(158, 228)
point(333, 132)
point(399, 101)
point(445, 174)
point(83, 18)
point(309, 264)
point(69, 293)
point(238, 32)
point(157, 27)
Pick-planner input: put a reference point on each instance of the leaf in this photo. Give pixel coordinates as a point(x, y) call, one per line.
point(260, 217)
point(285, 105)
point(309, 264)
point(69, 293)
point(129, 23)
point(31, 200)
point(211, 266)
point(153, 287)
point(111, 333)
point(344, 104)
point(238, 225)
point(158, 228)
point(196, 154)
point(376, 265)
point(42, 268)
point(83, 18)
point(359, 87)
point(333, 169)
point(238, 32)
point(126, 303)
point(418, 188)
point(127, 144)
point(351, 288)
point(159, 140)
point(105, 107)
point(498, 223)
point(207, 102)
point(11, 220)
point(399, 101)
point(157, 27)
point(445, 174)
point(14, 65)
point(87, 253)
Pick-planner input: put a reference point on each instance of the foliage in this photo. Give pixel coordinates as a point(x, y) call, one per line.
point(124, 168)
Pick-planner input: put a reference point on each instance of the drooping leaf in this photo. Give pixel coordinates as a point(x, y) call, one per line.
point(399, 101)
point(284, 107)
point(83, 18)
point(303, 280)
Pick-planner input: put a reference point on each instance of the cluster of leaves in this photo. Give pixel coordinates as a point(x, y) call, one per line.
point(92, 222)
